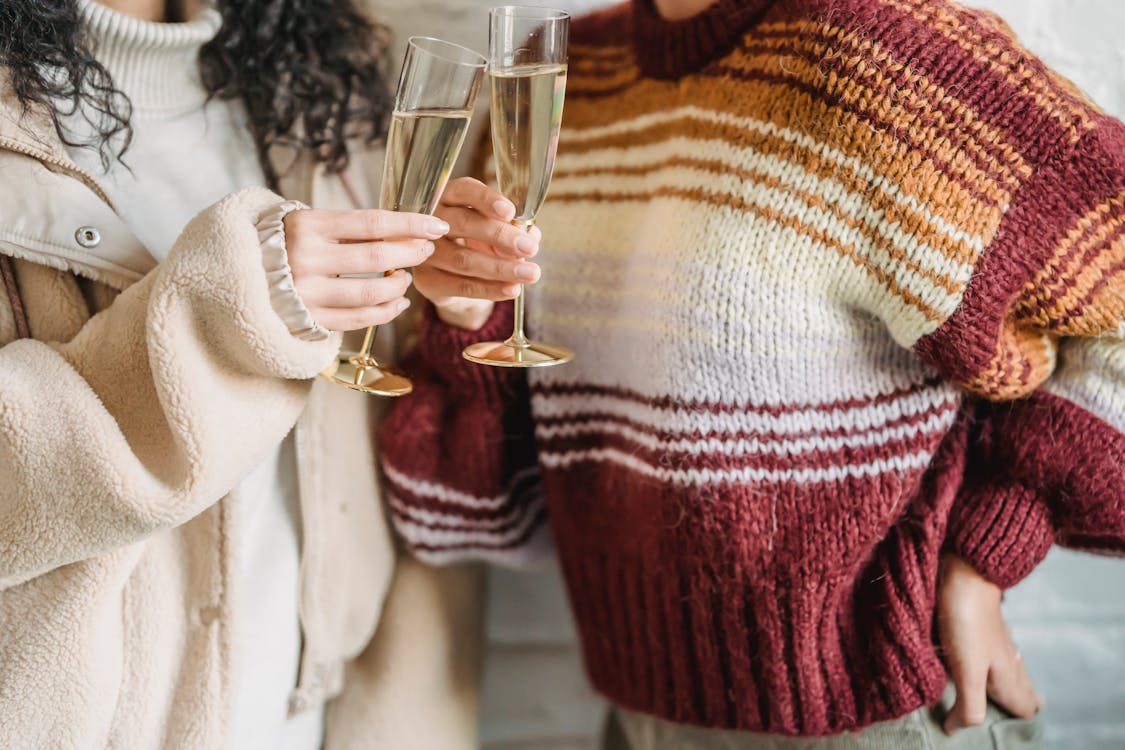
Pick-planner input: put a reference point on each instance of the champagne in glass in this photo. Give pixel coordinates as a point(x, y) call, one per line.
point(421, 150)
point(527, 104)
point(527, 77)
point(436, 91)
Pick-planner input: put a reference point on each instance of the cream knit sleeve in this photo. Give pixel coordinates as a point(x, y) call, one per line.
point(159, 406)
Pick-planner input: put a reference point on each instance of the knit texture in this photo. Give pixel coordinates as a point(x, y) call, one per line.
point(794, 245)
point(156, 63)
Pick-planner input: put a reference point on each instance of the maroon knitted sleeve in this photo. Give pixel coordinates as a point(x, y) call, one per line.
point(1039, 336)
point(458, 454)
point(1000, 522)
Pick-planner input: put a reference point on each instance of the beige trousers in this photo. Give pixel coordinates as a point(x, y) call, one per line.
point(920, 730)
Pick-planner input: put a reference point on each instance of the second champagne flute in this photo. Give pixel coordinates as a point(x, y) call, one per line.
point(527, 78)
point(439, 84)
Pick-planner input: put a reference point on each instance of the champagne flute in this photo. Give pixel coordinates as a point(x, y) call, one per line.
point(437, 89)
point(527, 78)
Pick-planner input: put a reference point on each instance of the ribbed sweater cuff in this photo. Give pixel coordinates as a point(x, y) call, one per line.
point(1001, 528)
point(440, 345)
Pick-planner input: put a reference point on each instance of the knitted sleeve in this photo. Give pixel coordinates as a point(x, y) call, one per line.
point(458, 454)
point(1040, 337)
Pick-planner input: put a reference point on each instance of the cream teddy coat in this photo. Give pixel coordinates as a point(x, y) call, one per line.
point(142, 396)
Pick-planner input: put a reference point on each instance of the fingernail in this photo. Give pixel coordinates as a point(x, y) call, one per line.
point(526, 245)
point(527, 272)
point(1040, 701)
point(437, 226)
point(402, 304)
point(504, 209)
point(428, 249)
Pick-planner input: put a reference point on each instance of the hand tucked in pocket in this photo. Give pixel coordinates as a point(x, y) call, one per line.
point(979, 651)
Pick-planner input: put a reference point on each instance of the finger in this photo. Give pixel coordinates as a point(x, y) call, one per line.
point(362, 293)
point(971, 681)
point(1010, 686)
point(463, 261)
point(374, 224)
point(366, 257)
point(436, 284)
point(468, 192)
point(354, 318)
point(469, 224)
point(484, 247)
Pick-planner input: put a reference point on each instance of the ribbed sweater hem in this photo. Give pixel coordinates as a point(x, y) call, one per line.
point(657, 642)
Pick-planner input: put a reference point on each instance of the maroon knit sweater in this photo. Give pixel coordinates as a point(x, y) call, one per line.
point(844, 279)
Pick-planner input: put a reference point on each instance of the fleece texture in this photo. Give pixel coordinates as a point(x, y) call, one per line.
point(143, 395)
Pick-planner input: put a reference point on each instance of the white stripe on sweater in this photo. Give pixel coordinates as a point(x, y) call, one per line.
point(752, 256)
point(490, 524)
point(684, 419)
point(936, 424)
point(537, 549)
point(696, 477)
point(420, 534)
point(811, 217)
point(447, 494)
point(1091, 376)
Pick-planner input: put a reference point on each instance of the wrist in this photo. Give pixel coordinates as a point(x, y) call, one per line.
point(467, 314)
point(285, 297)
point(958, 574)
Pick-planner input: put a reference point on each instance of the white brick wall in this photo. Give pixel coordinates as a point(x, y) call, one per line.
point(1069, 617)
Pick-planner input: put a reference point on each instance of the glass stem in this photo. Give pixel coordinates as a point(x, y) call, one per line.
point(519, 338)
point(363, 357)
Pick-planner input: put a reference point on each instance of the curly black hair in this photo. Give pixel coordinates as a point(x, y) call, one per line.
point(311, 74)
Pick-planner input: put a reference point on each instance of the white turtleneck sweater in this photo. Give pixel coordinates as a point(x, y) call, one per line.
point(186, 154)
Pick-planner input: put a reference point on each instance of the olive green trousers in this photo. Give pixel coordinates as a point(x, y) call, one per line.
point(919, 730)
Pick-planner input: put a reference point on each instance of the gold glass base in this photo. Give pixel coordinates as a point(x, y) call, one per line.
point(507, 354)
point(368, 376)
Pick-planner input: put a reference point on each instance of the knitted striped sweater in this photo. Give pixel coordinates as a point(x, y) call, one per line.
point(845, 283)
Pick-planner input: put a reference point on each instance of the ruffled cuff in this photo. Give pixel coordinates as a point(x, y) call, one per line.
point(283, 293)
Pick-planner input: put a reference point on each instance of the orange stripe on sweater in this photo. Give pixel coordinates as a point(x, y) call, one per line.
point(953, 202)
point(1068, 276)
point(1023, 360)
point(949, 249)
point(1074, 118)
point(871, 62)
point(879, 105)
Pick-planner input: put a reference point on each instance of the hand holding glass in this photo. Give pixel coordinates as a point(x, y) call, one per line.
point(436, 92)
point(527, 77)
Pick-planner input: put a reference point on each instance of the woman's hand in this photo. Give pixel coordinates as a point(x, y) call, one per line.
point(482, 260)
point(978, 648)
point(323, 246)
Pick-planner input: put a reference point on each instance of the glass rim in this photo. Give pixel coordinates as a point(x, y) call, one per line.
point(529, 11)
point(431, 45)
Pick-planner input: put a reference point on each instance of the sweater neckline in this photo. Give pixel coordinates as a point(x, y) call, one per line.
point(155, 64)
point(670, 49)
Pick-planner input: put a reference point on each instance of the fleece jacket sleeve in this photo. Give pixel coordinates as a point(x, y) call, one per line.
point(157, 408)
